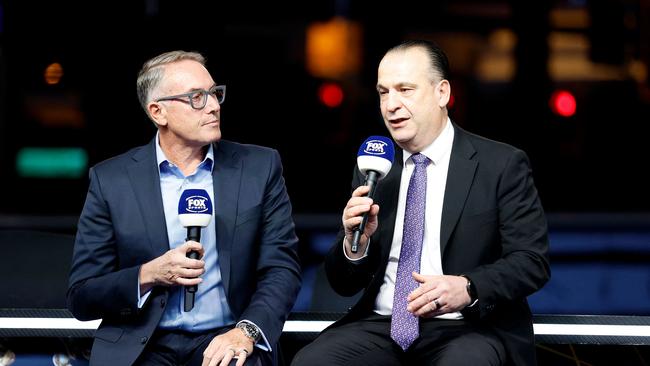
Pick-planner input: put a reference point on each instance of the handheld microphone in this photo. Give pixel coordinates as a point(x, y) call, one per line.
point(374, 159)
point(194, 212)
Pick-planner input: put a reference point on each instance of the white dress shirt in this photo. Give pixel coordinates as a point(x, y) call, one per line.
point(430, 262)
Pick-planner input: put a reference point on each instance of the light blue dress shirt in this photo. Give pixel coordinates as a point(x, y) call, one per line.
point(211, 308)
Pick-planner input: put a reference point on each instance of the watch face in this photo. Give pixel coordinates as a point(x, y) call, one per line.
point(253, 331)
point(250, 330)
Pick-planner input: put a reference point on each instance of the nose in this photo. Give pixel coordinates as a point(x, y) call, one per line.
point(392, 101)
point(212, 105)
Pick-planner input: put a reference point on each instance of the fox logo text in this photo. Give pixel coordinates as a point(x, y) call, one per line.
point(375, 147)
point(196, 204)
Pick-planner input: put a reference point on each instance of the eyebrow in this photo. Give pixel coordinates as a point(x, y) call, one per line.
point(398, 85)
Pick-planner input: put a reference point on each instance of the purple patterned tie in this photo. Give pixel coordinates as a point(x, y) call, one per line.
point(404, 327)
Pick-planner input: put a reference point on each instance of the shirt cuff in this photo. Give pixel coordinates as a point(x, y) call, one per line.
point(142, 299)
point(365, 253)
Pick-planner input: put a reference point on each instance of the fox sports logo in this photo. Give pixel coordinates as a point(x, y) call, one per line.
point(196, 204)
point(375, 147)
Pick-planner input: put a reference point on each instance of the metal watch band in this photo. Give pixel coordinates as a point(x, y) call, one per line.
point(251, 331)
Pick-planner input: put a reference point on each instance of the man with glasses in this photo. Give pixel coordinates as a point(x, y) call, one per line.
point(130, 262)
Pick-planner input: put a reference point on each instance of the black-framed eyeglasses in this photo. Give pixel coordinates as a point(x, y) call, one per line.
point(199, 98)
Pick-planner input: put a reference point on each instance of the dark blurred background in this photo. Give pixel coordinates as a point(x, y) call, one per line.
point(507, 60)
point(567, 81)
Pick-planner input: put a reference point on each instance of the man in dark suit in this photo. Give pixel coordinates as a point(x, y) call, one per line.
point(456, 238)
point(130, 263)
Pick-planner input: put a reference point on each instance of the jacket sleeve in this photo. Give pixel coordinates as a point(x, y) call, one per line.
point(98, 287)
point(523, 267)
point(345, 276)
point(278, 269)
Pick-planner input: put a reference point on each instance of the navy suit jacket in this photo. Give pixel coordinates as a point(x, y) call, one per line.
point(122, 226)
point(493, 230)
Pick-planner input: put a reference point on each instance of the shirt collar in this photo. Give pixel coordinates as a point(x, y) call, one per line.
point(440, 147)
point(162, 161)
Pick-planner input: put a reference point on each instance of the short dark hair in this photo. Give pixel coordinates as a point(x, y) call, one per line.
point(438, 58)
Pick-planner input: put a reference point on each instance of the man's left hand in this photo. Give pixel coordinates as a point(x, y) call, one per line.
point(438, 295)
point(225, 347)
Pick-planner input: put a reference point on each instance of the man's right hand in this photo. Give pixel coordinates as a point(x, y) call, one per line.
point(357, 205)
point(173, 268)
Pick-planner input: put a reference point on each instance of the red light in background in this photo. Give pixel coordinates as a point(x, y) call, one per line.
point(563, 103)
point(330, 94)
point(452, 101)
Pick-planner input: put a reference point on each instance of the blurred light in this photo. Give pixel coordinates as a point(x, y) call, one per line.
point(53, 73)
point(55, 162)
point(569, 60)
point(330, 94)
point(563, 103)
point(502, 39)
point(56, 110)
point(496, 62)
point(569, 18)
point(638, 70)
point(333, 48)
point(460, 46)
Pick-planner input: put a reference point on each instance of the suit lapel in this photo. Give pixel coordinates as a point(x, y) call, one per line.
point(226, 180)
point(145, 180)
point(459, 180)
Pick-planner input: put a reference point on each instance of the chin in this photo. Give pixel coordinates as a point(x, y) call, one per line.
point(215, 136)
point(401, 136)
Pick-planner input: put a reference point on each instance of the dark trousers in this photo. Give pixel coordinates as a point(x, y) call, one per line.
point(172, 348)
point(368, 342)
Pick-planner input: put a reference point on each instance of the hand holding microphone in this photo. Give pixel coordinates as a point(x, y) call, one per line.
point(374, 159)
point(194, 212)
point(359, 205)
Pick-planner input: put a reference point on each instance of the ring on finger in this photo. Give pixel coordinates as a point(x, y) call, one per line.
point(435, 301)
point(233, 350)
point(243, 350)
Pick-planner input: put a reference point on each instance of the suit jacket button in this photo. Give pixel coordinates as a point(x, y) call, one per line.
point(143, 340)
point(162, 303)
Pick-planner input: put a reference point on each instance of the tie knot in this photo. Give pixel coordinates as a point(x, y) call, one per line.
point(419, 159)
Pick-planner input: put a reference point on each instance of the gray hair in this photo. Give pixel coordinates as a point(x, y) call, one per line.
point(152, 72)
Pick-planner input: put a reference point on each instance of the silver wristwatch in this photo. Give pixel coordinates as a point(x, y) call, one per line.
point(250, 330)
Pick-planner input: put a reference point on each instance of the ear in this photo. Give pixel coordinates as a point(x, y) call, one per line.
point(157, 113)
point(443, 89)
